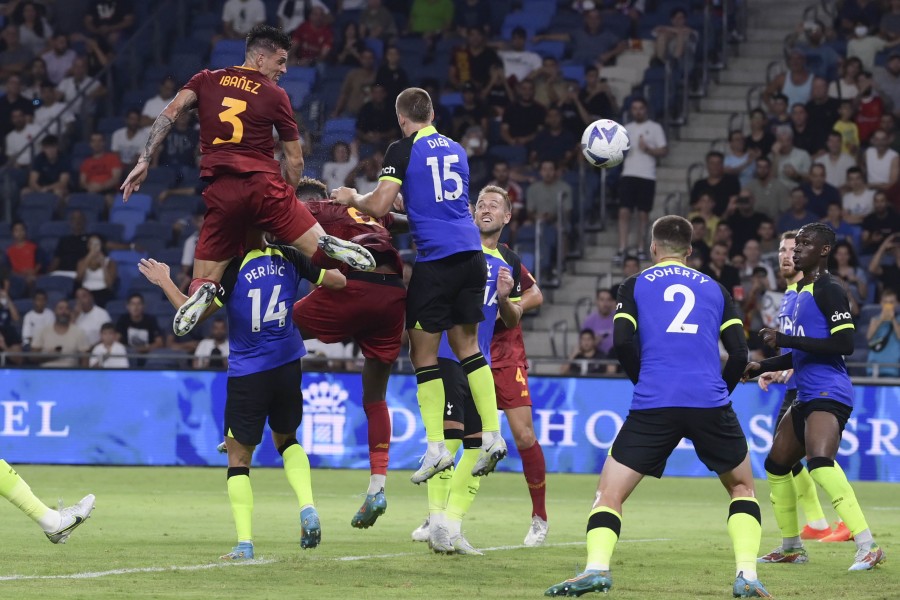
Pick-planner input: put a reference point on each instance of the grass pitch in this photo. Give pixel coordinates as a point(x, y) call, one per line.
point(164, 528)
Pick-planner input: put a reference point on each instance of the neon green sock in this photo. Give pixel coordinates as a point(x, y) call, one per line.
point(431, 402)
point(463, 486)
point(807, 497)
point(439, 485)
point(481, 383)
point(14, 489)
point(833, 480)
point(745, 530)
point(296, 469)
point(604, 526)
point(240, 493)
point(783, 495)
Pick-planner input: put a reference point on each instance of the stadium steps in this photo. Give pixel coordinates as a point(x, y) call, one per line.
point(770, 22)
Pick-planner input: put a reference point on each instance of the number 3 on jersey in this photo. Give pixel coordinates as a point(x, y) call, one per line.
point(234, 107)
point(271, 314)
point(440, 192)
point(678, 324)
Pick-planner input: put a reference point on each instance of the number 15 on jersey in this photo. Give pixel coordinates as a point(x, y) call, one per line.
point(440, 179)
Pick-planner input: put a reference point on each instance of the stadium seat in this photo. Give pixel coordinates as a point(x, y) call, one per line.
point(225, 58)
point(48, 244)
point(116, 308)
point(297, 91)
point(17, 287)
point(523, 20)
point(549, 48)
point(148, 243)
point(182, 203)
point(131, 257)
point(573, 71)
point(142, 203)
point(57, 283)
point(108, 125)
point(108, 231)
point(23, 305)
point(344, 125)
point(376, 46)
point(451, 100)
point(170, 256)
point(39, 200)
point(53, 229)
point(93, 203)
point(514, 155)
point(129, 220)
point(306, 74)
point(33, 216)
point(184, 66)
point(163, 176)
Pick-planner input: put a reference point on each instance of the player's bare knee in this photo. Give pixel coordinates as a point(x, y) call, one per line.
point(524, 437)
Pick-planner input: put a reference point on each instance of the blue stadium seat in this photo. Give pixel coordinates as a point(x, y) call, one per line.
point(128, 219)
point(48, 244)
point(108, 125)
point(136, 202)
point(451, 100)
point(347, 125)
point(376, 46)
point(187, 204)
point(207, 20)
point(307, 74)
point(17, 287)
point(47, 201)
point(519, 19)
point(57, 283)
point(232, 46)
point(134, 99)
point(221, 59)
point(573, 71)
point(23, 305)
point(191, 45)
point(297, 91)
point(170, 256)
point(116, 308)
point(92, 205)
point(131, 257)
point(184, 66)
point(515, 155)
point(108, 231)
point(33, 216)
point(163, 176)
point(331, 138)
point(153, 229)
point(81, 150)
point(549, 48)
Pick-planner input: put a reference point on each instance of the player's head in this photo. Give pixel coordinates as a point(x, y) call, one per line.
point(414, 109)
point(267, 51)
point(493, 210)
point(786, 254)
point(310, 189)
point(671, 238)
point(812, 246)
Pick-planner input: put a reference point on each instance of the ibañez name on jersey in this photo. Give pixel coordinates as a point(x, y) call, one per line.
point(822, 310)
point(491, 307)
point(433, 173)
point(678, 314)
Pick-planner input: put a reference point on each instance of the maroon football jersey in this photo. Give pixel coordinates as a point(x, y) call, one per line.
point(347, 223)
point(507, 345)
point(238, 108)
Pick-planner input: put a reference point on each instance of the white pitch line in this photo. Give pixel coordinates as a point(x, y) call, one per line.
point(492, 549)
point(267, 561)
point(96, 574)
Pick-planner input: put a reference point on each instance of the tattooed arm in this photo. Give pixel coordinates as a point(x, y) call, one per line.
point(183, 101)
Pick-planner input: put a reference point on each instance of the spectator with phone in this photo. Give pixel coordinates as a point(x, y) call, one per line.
point(884, 338)
point(888, 274)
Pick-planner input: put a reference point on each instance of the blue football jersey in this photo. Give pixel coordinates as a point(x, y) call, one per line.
point(491, 308)
point(258, 292)
point(679, 314)
point(786, 321)
point(822, 309)
point(433, 173)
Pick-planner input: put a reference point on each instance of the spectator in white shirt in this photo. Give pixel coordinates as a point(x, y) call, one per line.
point(36, 319)
point(59, 58)
point(155, 105)
point(52, 114)
point(517, 61)
point(212, 352)
point(344, 159)
point(22, 135)
point(77, 83)
point(88, 316)
point(129, 141)
point(882, 162)
point(240, 16)
point(109, 353)
point(860, 200)
point(835, 161)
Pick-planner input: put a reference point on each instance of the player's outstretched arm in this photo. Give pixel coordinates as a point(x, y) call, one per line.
point(376, 203)
point(184, 100)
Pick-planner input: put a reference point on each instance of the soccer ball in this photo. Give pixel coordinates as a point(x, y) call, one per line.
point(604, 143)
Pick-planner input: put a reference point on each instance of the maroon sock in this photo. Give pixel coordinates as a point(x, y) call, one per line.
point(196, 283)
point(535, 471)
point(379, 435)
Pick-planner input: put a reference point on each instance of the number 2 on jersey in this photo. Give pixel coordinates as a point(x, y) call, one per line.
point(678, 324)
point(234, 107)
point(440, 192)
point(271, 314)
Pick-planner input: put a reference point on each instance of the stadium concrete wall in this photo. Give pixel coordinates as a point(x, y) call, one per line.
point(175, 418)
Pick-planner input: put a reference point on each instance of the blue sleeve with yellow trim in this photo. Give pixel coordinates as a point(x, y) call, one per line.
point(624, 329)
point(834, 304)
point(733, 339)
